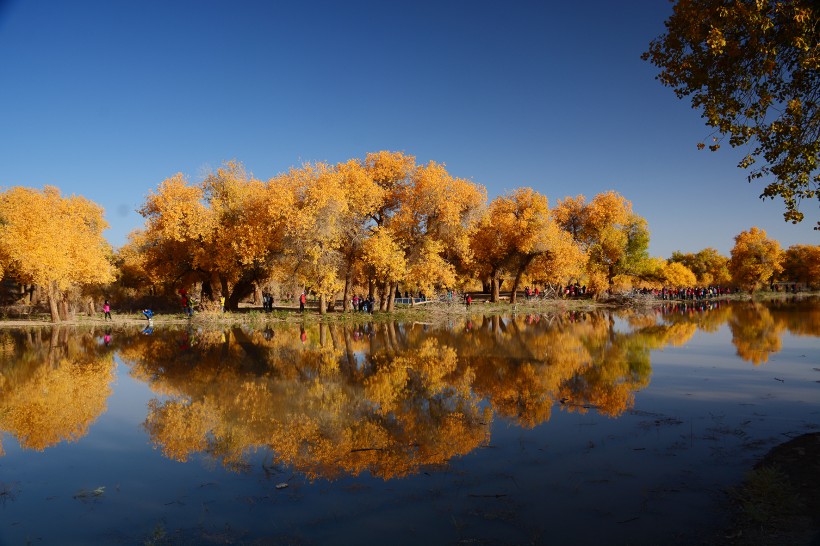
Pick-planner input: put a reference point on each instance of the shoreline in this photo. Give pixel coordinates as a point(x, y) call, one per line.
point(428, 312)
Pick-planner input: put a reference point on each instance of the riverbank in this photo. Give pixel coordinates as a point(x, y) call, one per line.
point(428, 312)
point(779, 502)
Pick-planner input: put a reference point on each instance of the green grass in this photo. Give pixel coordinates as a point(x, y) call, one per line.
point(766, 496)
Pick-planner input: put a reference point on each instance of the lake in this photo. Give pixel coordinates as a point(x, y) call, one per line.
point(574, 427)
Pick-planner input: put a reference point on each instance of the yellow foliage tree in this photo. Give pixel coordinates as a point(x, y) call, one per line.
point(317, 227)
point(226, 232)
point(53, 241)
point(678, 275)
point(433, 223)
point(614, 237)
point(384, 256)
point(708, 265)
point(564, 262)
point(755, 260)
point(516, 230)
point(364, 198)
point(392, 172)
point(801, 264)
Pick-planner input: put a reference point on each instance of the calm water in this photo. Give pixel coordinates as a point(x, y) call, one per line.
point(517, 430)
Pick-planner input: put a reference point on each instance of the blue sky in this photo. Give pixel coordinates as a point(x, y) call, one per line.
point(107, 98)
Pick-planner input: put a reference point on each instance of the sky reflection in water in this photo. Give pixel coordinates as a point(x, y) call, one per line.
point(530, 429)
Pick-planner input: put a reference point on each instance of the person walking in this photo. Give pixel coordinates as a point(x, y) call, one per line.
point(107, 311)
point(302, 302)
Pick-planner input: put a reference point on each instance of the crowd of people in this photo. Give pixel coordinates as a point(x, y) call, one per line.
point(360, 303)
point(571, 290)
point(693, 294)
point(368, 304)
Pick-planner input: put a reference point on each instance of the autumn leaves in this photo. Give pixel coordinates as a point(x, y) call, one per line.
point(53, 241)
point(374, 224)
point(751, 68)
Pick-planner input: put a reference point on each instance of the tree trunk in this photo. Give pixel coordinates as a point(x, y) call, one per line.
point(219, 288)
point(383, 296)
point(226, 293)
point(346, 294)
point(610, 277)
point(257, 294)
point(495, 285)
point(391, 296)
point(65, 313)
point(322, 305)
point(520, 273)
point(52, 302)
point(240, 290)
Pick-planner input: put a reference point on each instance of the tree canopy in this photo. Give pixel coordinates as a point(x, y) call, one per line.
point(709, 267)
point(756, 259)
point(53, 241)
point(752, 67)
point(615, 239)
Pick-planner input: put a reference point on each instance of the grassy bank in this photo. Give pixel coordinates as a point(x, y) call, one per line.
point(429, 312)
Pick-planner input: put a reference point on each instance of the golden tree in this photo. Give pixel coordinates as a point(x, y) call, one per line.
point(226, 232)
point(437, 215)
point(708, 265)
point(516, 230)
point(677, 275)
point(752, 68)
point(755, 260)
point(563, 263)
point(384, 257)
point(614, 237)
point(318, 228)
point(249, 232)
point(392, 172)
point(53, 241)
point(365, 197)
point(801, 264)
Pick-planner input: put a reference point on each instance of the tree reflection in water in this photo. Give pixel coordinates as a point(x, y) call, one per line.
point(386, 398)
point(54, 384)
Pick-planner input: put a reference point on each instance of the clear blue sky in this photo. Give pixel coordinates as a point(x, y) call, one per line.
point(106, 98)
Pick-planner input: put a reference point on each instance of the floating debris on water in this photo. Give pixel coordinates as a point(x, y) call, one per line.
point(86, 494)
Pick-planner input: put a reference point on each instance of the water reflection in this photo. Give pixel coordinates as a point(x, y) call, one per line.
point(54, 384)
point(386, 398)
